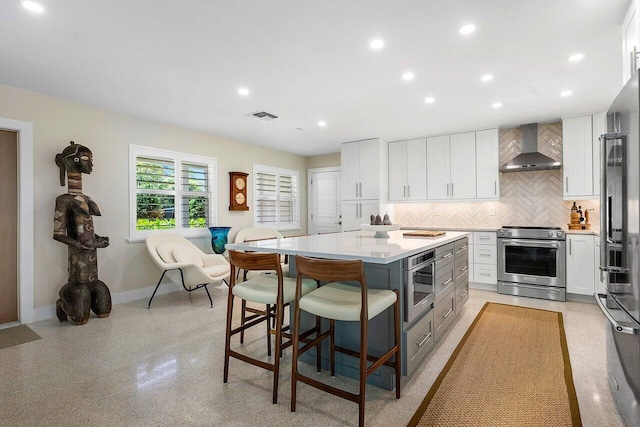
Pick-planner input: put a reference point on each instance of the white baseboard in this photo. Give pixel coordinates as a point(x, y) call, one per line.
point(483, 286)
point(49, 312)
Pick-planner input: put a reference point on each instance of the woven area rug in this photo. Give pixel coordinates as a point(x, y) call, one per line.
point(511, 368)
point(16, 335)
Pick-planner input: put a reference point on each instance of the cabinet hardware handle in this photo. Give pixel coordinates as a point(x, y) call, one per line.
point(495, 188)
point(487, 255)
point(426, 338)
point(465, 268)
point(566, 182)
point(360, 189)
point(464, 295)
point(485, 274)
point(447, 255)
point(462, 248)
point(448, 313)
point(452, 189)
point(446, 282)
point(356, 189)
point(447, 189)
point(570, 246)
point(408, 191)
point(404, 188)
point(483, 238)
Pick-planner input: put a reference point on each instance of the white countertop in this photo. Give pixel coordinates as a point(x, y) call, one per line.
point(352, 245)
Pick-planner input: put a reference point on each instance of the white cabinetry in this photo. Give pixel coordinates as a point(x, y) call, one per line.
point(364, 182)
point(408, 170)
point(630, 41)
point(451, 167)
point(485, 257)
point(581, 155)
point(488, 164)
point(580, 264)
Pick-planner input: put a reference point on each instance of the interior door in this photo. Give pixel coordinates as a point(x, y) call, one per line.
point(325, 202)
point(9, 226)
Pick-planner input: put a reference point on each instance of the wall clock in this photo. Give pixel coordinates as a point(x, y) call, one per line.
point(238, 191)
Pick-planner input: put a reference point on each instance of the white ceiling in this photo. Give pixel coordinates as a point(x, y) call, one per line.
point(181, 62)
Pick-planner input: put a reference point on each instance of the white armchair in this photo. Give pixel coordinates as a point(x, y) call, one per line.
point(173, 252)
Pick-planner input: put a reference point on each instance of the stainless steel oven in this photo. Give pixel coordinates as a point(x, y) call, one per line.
point(531, 262)
point(419, 280)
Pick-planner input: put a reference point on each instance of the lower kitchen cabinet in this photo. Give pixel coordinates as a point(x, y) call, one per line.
point(356, 212)
point(420, 339)
point(580, 264)
point(485, 257)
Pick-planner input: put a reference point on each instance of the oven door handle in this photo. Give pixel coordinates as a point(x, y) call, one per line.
point(531, 243)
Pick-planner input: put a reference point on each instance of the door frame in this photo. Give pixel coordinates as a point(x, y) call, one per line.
point(26, 299)
point(310, 193)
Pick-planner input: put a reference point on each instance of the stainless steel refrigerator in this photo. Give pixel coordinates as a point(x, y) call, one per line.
point(619, 248)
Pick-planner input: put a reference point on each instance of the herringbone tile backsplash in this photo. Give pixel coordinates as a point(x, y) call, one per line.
point(526, 198)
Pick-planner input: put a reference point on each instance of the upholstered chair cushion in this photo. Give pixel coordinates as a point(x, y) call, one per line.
point(216, 270)
point(165, 251)
point(340, 301)
point(264, 289)
point(187, 254)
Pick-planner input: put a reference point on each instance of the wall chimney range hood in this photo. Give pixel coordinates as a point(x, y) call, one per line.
point(530, 159)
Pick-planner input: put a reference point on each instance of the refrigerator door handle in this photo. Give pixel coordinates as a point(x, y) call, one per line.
point(610, 269)
point(623, 329)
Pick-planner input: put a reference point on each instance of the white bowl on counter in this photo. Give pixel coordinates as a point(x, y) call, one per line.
point(381, 230)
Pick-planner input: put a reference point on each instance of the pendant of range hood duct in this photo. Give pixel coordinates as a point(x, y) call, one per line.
point(530, 159)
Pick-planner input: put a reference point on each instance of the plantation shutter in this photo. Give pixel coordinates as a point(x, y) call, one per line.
point(155, 194)
point(266, 198)
point(277, 202)
point(288, 199)
point(194, 205)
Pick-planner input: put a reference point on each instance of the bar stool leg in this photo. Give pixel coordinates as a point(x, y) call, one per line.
point(396, 321)
point(294, 361)
point(363, 370)
point(332, 338)
point(227, 341)
point(276, 369)
point(268, 330)
point(242, 319)
point(318, 347)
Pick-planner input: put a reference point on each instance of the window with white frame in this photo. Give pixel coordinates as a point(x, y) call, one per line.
point(171, 191)
point(276, 197)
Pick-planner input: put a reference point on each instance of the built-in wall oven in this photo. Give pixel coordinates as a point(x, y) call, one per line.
point(531, 262)
point(419, 280)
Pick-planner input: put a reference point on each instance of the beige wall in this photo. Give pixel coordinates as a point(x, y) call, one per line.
point(323, 161)
point(123, 266)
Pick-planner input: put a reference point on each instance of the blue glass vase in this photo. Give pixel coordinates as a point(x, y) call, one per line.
point(219, 238)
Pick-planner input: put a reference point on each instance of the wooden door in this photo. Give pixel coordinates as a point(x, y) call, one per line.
point(9, 227)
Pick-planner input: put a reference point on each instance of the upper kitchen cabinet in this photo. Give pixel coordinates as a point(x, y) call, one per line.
point(581, 156)
point(364, 169)
point(408, 170)
point(488, 164)
point(630, 41)
point(451, 167)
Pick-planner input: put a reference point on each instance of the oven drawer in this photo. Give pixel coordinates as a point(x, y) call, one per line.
point(485, 254)
point(461, 247)
point(445, 281)
point(444, 255)
point(461, 267)
point(484, 238)
point(420, 339)
point(483, 273)
point(462, 295)
point(444, 313)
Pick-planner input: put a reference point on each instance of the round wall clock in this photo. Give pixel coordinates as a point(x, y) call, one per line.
point(238, 191)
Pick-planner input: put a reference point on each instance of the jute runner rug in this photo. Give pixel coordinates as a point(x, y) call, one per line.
point(17, 335)
point(510, 369)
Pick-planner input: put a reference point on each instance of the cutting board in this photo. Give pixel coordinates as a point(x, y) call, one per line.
point(424, 233)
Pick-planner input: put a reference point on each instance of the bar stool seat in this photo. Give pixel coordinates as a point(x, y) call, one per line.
point(264, 289)
point(340, 301)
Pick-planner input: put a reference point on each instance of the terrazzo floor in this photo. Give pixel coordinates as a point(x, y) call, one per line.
point(163, 367)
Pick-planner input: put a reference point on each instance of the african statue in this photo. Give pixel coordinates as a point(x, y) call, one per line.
point(73, 226)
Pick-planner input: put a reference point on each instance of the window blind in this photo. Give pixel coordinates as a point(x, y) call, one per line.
point(277, 201)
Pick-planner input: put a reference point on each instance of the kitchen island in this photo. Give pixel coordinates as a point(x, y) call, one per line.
point(441, 289)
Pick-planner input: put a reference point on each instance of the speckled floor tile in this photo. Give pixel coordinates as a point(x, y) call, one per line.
point(163, 367)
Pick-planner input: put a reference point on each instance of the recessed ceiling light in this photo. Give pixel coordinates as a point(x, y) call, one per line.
point(467, 29)
point(486, 78)
point(429, 100)
point(243, 91)
point(376, 44)
point(577, 57)
point(322, 123)
point(566, 93)
point(407, 76)
point(497, 104)
point(32, 6)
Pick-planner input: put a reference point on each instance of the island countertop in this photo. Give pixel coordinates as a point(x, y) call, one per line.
point(351, 245)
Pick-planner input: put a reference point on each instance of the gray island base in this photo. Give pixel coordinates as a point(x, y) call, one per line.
point(431, 275)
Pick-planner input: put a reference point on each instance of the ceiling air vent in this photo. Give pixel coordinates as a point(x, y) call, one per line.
point(263, 116)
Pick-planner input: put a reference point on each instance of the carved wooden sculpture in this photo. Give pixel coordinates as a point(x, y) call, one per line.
point(73, 226)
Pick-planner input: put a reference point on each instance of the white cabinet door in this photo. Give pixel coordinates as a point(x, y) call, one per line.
point(463, 165)
point(438, 178)
point(368, 208)
point(357, 212)
point(398, 171)
point(488, 164)
point(580, 259)
point(416, 169)
point(350, 166)
point(599, 124)
point(369, 169)
point(577, 157)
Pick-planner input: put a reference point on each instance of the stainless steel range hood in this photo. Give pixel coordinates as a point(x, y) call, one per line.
point(530, 159)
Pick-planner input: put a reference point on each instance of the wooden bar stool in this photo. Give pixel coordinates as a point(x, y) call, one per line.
point(271, 290)
point(340, 301)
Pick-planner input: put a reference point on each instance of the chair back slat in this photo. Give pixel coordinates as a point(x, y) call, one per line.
point(255, 261)
point(328, 270)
